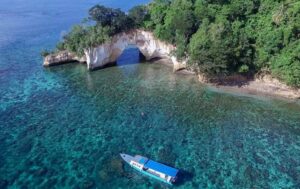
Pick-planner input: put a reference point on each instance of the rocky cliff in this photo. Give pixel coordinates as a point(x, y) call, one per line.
point(109, 52)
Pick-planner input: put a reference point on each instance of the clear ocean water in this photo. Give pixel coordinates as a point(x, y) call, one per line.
point(63, 127)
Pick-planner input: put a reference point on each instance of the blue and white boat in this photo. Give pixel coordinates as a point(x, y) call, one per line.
point(152, 168)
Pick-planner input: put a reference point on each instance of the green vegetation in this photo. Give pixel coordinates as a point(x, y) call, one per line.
point(222, 37)
point(138, 15)
point(116, 20)
point(45, 53)
point(219, 37)
point(83, 37)
point(98, 28)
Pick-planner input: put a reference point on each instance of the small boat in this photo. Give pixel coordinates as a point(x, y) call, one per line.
point(152, 168)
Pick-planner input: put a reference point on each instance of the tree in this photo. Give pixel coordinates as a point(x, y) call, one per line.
point(173, 22)
point(180, 17)
point(75, 39)
point(158, 10)
point(102, 15)
point(139, 15)
point(116, 19)
point(286, 65)
point(84, 37)
point(208, 48)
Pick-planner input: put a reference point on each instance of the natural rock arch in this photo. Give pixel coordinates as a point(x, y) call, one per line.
point(109, 52)
point(148, 45)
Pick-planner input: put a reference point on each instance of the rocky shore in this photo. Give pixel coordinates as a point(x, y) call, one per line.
point(152, 48)
point(264, 85)
point(260, 84)
point(62, 58)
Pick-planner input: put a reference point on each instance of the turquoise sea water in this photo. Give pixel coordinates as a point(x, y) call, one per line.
point(63, 127)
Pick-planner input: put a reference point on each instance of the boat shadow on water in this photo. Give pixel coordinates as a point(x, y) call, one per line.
point(183, 177)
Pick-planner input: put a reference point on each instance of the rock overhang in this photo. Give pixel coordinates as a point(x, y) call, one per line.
point(109, 52)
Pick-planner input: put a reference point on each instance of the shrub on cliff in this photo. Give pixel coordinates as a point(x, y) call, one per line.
point(83, 37)
point(45, 53)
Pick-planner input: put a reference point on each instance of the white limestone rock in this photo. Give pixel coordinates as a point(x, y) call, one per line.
point(149, 46)
point(109, 52)
point(62, 57)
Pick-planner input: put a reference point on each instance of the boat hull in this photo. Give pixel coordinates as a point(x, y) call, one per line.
point(128, 159)
point(150, 175)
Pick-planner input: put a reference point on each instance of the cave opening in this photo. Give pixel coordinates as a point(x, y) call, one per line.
point(130, 55)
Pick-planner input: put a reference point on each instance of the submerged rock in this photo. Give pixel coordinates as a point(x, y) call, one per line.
point(104, 176)
point(88, 184)
point(41, 172)
point(3, 183)
point(165, 155)
point(239, 144)
point(258, 159)
point(111, 168)
point(117, 166)
point(294, 174)
point(25, 147)
point(251, 174)
point(50, 183)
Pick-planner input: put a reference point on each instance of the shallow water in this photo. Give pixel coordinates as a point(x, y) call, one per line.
point(63, 127)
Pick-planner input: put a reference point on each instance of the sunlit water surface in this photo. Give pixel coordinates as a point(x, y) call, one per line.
point(63, 127)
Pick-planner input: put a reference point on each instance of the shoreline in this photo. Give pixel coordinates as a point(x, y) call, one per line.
point(259, 85)
point(265, 86)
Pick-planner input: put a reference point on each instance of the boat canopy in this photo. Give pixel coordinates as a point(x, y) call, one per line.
point(161, 168)
point(143, 160)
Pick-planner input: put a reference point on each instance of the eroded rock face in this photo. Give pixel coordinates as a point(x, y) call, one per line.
point(61, 58)
point(110, 51)
point(149, 46)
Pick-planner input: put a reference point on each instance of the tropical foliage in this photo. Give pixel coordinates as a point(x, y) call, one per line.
point(219, 37)
point(83, 37)
point(232, 36)
point(101, 24)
